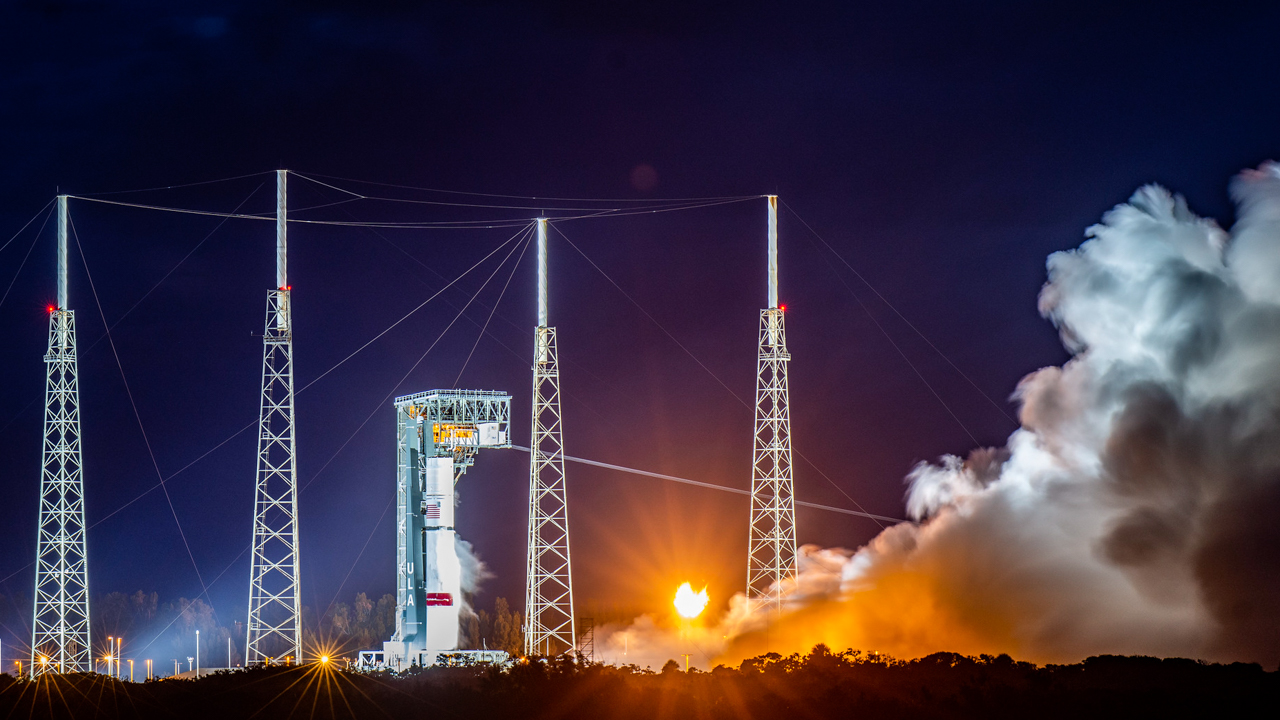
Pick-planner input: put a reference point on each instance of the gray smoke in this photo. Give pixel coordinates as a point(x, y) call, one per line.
point(1137, 509)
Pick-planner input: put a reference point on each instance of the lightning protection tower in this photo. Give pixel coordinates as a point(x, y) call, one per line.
point(548, 622)
point(772, 548)
point(275, 625)
point(60, 631)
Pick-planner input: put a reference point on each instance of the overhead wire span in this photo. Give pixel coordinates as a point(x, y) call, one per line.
point(359, 555)
point(713, 486)
point(702, 365)
point(421, 225)
point(173, 269)
point(409, 372)
point(895, 310)
point(204, 594)
point(480, 335)
point(146, 441)
point(698, 202)
point(906, 359)
point(421, 305)
point(27, 224)
point(183, 185)
point(500, 195)
point(585, 213)
point(646, 314)
point(23, 264)
point(525, 360)
point(624, 212)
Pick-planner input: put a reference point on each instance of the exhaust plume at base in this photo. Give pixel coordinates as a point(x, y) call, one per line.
point(1136, 510)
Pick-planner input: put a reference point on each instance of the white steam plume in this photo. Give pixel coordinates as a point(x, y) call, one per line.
point(1137, 509)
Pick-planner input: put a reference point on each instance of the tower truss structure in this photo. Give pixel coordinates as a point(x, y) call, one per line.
point(275, 616)
point(771, 551)
point(549, 620)
point(60, 628)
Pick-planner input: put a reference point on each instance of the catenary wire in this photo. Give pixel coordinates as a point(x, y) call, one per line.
point(414, 367)
point(421, 305)
point(712, 486)
point(134, 404)
point(27, 223)
point(903, 354)
point(701, 202)
point(485, 329)
point(902, 317)
point(513, 197)
point(444, 224)
point(173, 269)
point(23, 264)
point(699, 362)
point(184, 185)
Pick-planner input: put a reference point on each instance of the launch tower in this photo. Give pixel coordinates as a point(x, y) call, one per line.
point(275, 617)
point(772, 547)
point(60, 631)
point(548, 606)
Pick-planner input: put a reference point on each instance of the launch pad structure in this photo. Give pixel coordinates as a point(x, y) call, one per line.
point(438, 434)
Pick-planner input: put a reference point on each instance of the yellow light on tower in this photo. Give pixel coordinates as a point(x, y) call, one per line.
point(688, 603)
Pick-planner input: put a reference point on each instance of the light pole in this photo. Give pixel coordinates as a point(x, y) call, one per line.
point(228, 652)
point(130, 669)
point(111, 645)
point(148, 668)
point(119, 641)
point(197, 653)
point(175, 667)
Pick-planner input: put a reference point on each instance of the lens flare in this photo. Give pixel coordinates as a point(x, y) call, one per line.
point(689, 603)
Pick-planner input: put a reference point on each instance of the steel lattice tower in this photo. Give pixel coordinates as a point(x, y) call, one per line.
point(275, 625)
point(772, 548)
point(60, 631)
point(548, 622)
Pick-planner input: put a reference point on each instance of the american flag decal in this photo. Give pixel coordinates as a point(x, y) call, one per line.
point(432, 510)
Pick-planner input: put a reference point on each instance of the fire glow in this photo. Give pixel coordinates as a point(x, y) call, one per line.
point(688, 603)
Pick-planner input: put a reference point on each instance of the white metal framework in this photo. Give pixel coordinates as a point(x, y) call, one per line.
point(60, 631)
point(275, 625)
point(549, 622)
point(772, 546)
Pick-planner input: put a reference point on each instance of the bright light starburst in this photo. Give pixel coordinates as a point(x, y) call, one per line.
point(688, 603)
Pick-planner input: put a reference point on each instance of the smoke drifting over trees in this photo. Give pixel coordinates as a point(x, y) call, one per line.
point(1135, 509)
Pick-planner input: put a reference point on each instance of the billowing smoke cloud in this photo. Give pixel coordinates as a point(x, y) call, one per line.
point(1136, 510)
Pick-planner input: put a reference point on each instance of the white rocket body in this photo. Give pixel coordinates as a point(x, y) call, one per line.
point(442, 576)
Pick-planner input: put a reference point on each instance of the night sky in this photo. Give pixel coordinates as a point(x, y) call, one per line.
point(942, 150)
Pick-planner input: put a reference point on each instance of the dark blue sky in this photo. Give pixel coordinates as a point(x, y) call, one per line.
point(943, 150)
